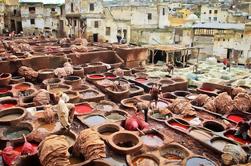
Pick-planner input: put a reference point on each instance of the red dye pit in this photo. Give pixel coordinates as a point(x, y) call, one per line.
point(235, 118)
point(22, 87)
point(6, 105)
point(83, 109)
point(237, 139)
point(3, 90)
point(179, 125)
point(19, 148)
point(207, 89)
point(140, 80)
point(96, 76)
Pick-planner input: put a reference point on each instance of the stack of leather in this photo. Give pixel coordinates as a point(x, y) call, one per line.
point(42, 98)
point(53, 151)
point(89, 145)
point(183, 107)
point(28, 73)
point(201, 99)
point(242, 102)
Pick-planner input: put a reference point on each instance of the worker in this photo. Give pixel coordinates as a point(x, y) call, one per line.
point(243, 129)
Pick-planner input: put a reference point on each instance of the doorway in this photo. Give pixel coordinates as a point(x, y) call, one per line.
point(19, 26)
point(12, 25)
point(95, 37)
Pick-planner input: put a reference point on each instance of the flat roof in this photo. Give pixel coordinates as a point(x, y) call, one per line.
point(216, 25)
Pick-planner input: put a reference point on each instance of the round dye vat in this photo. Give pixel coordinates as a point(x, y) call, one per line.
point(160, 105)
point(22, 87)
point(115, 116)
point(231, 135)
point(19, 148)
point(83, 109)
point(200, 134)
point(96, 76)
point(160, 116)
point(14, 133)
point(179, 124)
point(192, 96)
point(58, 90)
point(53, 127)
point(207, 89)
point(152, 140)
point(220, 143)
point(199, 161)
point(6, 105)
point(94, 120)
point(235, 118)
point(115, 160)
point(143, 161)
point(10, 117)
point(104, 107)
point(141, 80)
point(89, 94)
point(4, 90)
point(214, 126)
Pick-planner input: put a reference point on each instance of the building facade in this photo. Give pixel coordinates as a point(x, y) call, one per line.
point(40, 17)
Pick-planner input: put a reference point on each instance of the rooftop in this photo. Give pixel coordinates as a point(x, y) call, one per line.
point(216, 25)
point(43, 1)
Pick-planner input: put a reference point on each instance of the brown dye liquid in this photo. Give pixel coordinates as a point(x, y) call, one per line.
point(200, 135)
point(107, 133)
point(10, 117)
point(57, 90)
point(172, 157)
point(127, 144)
point(49, 127)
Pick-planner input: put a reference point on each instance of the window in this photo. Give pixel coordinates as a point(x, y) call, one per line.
point(95, 24)
point(163, 11)
point(215, 11)
point(61, 10)
point(108, 31)
point(149, 16)
point(32, 9)
point(210, 11)
point(215, 18)
point(75, 23)
point(209, 19)
point(72, 9)
point(15, 12)
point(91, 6)
point(241, 35)
point(32, 21)
point(53, 9)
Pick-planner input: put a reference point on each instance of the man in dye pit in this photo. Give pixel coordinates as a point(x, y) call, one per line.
point(243, 129)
